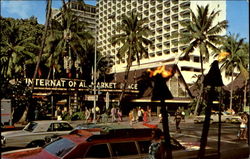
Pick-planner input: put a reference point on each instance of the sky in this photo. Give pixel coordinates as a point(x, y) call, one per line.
point(237, 12)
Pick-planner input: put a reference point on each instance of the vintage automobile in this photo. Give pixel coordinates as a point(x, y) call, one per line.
point(118, 143)
point(33, 134)
point(225, 117)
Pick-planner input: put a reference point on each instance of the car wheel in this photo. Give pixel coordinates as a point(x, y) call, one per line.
point(36, 144)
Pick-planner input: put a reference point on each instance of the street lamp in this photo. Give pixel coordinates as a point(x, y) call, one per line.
point(94, 118)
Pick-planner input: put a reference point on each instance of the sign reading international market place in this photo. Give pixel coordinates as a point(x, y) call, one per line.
point(68, 83)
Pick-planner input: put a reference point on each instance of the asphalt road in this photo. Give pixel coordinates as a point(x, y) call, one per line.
point(230, 147)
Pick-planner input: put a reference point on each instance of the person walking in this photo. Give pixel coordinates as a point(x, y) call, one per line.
point(243, 126)
point(113, 114)
point(177, 119)
point(87, 115)
point(131, 117)
point(119, 114)
point(139, 114)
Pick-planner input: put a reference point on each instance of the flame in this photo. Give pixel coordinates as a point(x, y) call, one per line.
point(223, 55)
point(160, 70)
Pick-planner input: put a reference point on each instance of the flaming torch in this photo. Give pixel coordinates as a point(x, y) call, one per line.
point(212, 79)
point(161, 92)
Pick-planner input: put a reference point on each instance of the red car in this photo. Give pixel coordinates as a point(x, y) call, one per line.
point(117, 143)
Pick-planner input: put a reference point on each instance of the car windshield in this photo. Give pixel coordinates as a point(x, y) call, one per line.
point(60, 147)
point(31, 126)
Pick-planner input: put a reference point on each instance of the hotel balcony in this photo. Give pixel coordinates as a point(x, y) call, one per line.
point(185, 13)
point(152, 17)
point(184, 21)
point(167, 28)
point(129, 6)
point(140, 8)
point(159, 15)
point(159, 22)
point(174, 1)
point(174, 17)
point(152, 9)
point(159, 6)
point(166, 44)
point(167, 20)
point(152, 2)
point(175, 9)
point(146, 12)
point(134, 4)
point(167, 11)
point(159, 53)
point(159, 38)
point(119, 5)
point(123, 2)
point(123, 9)
point(167, 3)
point(152, 54)
point(166, 51)
point(185, 4)
point(152, 25)
point(174, 50)
point(159, 46)
point(146, 5)
point(175, 25)
point(152, 47)
point(166, 35)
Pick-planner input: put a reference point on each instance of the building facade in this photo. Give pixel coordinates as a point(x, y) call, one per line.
point(85, 12)
point(164, 20)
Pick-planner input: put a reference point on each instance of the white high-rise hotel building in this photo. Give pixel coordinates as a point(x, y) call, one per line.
point(164, 20)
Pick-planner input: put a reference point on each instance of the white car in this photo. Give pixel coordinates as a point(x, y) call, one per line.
point(34, 133)
point(215, 118)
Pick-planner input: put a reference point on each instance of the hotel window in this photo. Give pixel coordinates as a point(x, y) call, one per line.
point(196, 59)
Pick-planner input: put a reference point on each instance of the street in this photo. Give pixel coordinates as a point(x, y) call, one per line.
point(191, 132)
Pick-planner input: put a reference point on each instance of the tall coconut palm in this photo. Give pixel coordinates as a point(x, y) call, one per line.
point(203, 33)
point(67, 37)
point(16, 49)
point(237, 60)
point(133, 38)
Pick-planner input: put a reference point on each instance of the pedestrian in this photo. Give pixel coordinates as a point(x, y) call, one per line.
point(177, 119)
point(113, 114)
point(135, 112)
point(139, 114)
point(145, 116)
point(131, 117)
point(154, 148)
point(243, 126)
point(149, 113)
point(183, 115)
point(87, 115)
point(36, 114)
point(59, 113)
point(119, 114)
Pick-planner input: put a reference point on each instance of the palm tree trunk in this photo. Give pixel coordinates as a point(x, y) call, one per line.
point(129, 63)
point(245, 96)
point(48, 12)
point(231, 93)
point(201, 88)
point(206, 125)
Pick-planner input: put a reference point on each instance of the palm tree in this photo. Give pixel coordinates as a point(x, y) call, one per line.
point(16, 49)
point(133, 38)
point(67, 37)
point(238, 59)
point(203, 34)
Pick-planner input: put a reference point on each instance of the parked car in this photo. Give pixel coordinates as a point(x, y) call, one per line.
point(33, 134)
point(225, 117)
point(118, 143)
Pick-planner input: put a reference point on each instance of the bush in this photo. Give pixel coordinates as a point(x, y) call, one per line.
point(78, 116)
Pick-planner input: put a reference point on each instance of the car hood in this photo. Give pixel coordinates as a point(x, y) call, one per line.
point(15, 133)
point(30, 153)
